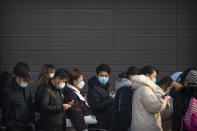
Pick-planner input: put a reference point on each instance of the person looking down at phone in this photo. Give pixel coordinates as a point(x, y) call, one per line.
point(80, 109)
point(52, 107)
point(147, 104)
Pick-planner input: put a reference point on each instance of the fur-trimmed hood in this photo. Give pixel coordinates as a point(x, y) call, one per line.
point(142, 80)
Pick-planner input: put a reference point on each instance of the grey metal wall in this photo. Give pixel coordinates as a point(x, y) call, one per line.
point(85, 33)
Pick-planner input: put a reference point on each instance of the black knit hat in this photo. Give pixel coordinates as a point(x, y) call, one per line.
point(22, 69)
point(192, 77)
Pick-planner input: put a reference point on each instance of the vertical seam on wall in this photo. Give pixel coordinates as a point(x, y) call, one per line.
point(113, 39)
point(176, 35)
point(50, 40)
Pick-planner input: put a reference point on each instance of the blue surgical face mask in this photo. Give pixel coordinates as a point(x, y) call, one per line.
point(168, 93)
point(24, 84)
point(103, 80)
point(61, 85)
point(154, 80)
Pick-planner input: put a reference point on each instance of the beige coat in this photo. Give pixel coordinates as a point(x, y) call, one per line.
point(146, 105)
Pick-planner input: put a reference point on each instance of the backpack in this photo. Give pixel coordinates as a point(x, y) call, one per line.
point(190, 119)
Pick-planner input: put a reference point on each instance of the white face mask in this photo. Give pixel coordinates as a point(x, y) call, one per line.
point(24, 84)
point(61, 85)
point(51, 75)
point(81, 85)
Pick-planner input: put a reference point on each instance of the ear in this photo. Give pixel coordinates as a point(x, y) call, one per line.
point(96, 75)
point(17, 78)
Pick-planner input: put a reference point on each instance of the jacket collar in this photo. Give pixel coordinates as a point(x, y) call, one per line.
point(52, 86)
point(17, 85)
point(142, 80)
point(77, 92)
point(73, 88)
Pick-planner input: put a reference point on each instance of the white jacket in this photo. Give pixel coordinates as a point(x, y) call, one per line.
point(146, 105)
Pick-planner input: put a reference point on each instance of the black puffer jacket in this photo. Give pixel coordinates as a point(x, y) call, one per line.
point(180, 105)
point(100, 102)
point(51, 108)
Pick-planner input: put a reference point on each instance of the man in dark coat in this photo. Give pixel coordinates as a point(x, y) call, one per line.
point(5, 79)
point(18, 113)
point(98, 97)
point(52, 109)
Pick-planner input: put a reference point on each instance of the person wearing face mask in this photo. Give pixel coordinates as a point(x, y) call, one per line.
point(80, 108)
point(147, 103)
point(150, 72)
point(166, 115)
point(52, 107)
point(18, 106)
point(47, 73)
point(121, 119)
point(99, 98)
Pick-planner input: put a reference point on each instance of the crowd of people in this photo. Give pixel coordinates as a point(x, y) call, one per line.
point(140, 102)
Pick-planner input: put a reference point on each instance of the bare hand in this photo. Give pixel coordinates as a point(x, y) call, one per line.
point(113, 95)
point(166, 98)
point(71, 103)
point(85, 97)
point(66, 106)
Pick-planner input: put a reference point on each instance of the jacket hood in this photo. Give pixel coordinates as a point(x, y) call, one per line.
point(92, 81)
point(142, 80)
point(122, 82)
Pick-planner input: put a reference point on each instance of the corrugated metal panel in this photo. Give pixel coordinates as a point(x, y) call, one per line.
point(83, 34)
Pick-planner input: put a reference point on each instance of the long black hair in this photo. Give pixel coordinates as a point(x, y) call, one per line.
point(133, 70)
point(148, 70)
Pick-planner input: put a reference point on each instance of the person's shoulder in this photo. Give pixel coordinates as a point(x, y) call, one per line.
point(42, 86)
point(47, 88)
point(11, 89)
point(124, 91)
point(94, 91)
point(186, 91)
point(93, 88)
point(144, 90)
point(144, 87)
point(68, 91)
point(127, 88)
point(11, 86)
